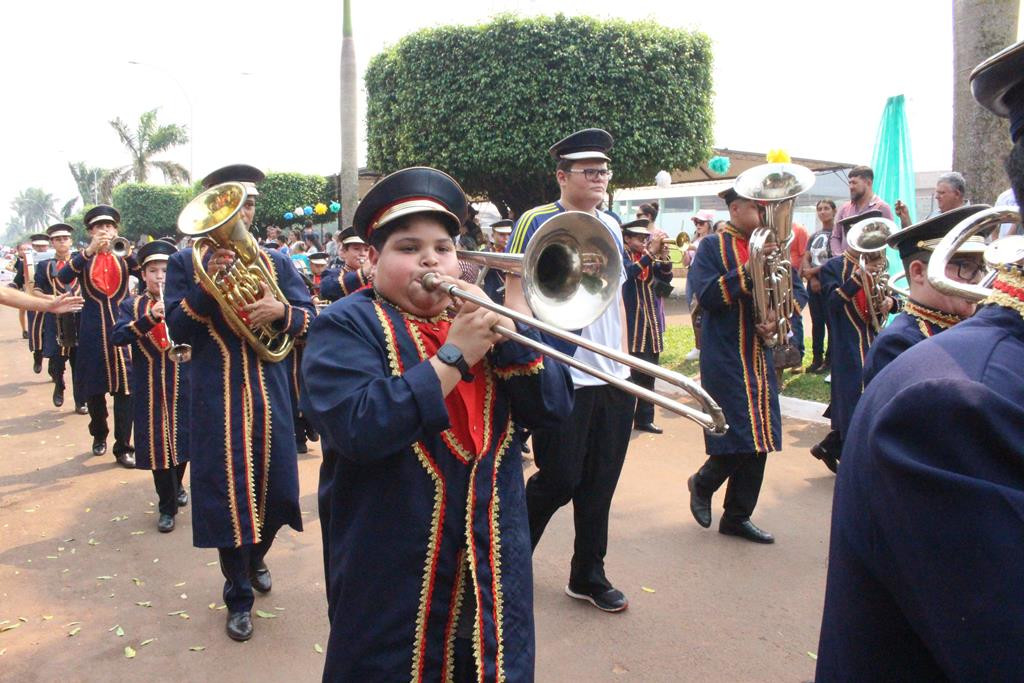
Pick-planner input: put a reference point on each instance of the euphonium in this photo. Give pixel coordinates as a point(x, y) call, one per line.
point(775, 188)
point(868, 240)
point(1007, 250)
point(214, 218)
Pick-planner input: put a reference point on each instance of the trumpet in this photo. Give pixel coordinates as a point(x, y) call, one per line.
point(1004, 251)
point(121, 246)
point(178, 353)
point(570, 273)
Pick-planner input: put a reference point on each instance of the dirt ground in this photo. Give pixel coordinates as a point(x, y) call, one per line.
point(81, 563)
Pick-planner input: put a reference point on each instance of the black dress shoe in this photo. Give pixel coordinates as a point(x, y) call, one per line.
point(745, 529)
point(259, 577)
point(312, 435)
point(182, 498)
point(24, 334)
point(165, 524)
point(82, 409)
point(699, 506)
point(650, 428)
point(37, 366)
point(99, 447)
point(239, 626)
point(126, 459)
point(825, 455)
point(611, 600)
point(58, 396)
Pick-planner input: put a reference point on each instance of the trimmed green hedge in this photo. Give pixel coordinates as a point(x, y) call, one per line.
point(485, 102)
point(150, 209)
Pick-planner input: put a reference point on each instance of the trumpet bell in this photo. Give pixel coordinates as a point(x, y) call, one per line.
point(120, 246)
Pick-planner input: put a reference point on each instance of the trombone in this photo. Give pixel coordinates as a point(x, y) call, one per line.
point(571, 272)
point(178, 353)
point(1003, 251)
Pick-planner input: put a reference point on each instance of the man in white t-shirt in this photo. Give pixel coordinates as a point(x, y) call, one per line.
point(580, 459)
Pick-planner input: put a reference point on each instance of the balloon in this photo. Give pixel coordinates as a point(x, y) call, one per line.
point(289, 215)
point(298, 211)
point(335, 207)
point(663, 179)
point(308, 211)
point(320, 209)
point(719, 165)
point(778, 156)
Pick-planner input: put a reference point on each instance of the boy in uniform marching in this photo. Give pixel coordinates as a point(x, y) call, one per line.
point(161, 385)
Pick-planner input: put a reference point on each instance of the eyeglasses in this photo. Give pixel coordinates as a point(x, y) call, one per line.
point(595, 173)
point(966, 271)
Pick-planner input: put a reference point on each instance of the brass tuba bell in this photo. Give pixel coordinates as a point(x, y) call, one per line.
point(214, 217)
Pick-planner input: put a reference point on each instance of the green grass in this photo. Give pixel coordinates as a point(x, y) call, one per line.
point(679, 342)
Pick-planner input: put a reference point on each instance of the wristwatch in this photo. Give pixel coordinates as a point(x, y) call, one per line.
point(450, 354)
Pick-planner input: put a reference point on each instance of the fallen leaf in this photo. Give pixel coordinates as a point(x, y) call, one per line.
point(104, 578)
point(223, 607)
point(184, 596)
point(179, 585)
point(212, 605)
point(211, 564)
point(138, 533)
point(137, 582)
point(279, 608)
point(197, 648)
point(129, 653)
point(265, 615)
point(812, 656)
point(47, 617)
point(23, 620)
point(184, 615)
point(3, 652)
point(88, 509)
point(93, 541)
point(155, 560)
point(8, 627)
point(145, 603)
point(72, 623)
point(52, 557)
point(146, 642)
point(74, 632)
point(619, 669)
point(318, 648)
point(119, 632)
point(645, 589)
point(174, 614)
point(113, 627)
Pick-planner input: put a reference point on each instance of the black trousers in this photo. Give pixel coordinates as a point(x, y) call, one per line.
point(819, 325)
point(122, 420)
point(55, 367)
point(580, 461)
point(235, 564)
point(168, 484)
point(644, 413)
point(744, 472)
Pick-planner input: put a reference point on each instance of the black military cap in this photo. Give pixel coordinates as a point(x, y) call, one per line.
point(59, 230)
point(40, 240)
point(271, 244)
point(589, 143)
point(319, 257)
point(850, 220)
point(419, 189)
point(101, 212)
point(502, 227)
point(637, 227)
point(170, 240)
point(349, 236)
point(925, 235)
point(236, 173)
point(729, 195)
point(157, 250)
point(998, 85)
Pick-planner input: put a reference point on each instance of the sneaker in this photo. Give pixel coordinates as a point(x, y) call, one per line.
point(693, 355)
point(611, 600)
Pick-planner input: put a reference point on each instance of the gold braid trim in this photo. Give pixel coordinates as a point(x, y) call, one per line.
point(1014, 277)
point(429, 563)
point(499, 607)
point(534, 367)
point(448, 663)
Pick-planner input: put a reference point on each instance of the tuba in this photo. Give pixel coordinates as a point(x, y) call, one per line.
point(868, 238)
point(775, 188)
point(214, 218)
point(1004, 251)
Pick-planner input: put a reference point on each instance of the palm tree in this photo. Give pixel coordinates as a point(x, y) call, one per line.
point(35, 208)
point(94, 184)
point(348, 180)
point(148, 140)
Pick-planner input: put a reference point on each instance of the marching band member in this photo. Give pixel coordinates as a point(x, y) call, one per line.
point(105, 368)
point(57, 349)
point(580, 459)
point(356, 273)
point(24, 279)
point(241, 440)
point(494, 279)
point(929, 311)
point(925, 559)
point(852, 334)
point(645, 316)
point(421, 488)
point(303, 429)
point(161, 386)
point(738, 371)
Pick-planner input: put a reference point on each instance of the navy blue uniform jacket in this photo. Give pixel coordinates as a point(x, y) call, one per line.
point(241, 436)
point(335, 283)
point(735, 367)
point(914, 324)
point(160, 387)
point(34, 321)
point(47, 283)
point(645, 312)
point(926, 558)
point(404, 506)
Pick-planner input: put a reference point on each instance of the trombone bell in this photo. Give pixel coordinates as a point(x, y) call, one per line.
point(1004, 251)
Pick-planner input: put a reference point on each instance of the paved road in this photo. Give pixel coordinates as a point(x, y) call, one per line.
point(79, 552)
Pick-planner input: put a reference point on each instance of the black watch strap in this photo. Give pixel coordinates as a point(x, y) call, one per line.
point(450, 354)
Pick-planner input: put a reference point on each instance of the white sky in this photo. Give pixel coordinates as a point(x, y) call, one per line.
point(257, 82)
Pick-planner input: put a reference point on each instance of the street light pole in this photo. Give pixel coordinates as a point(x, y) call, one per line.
point(191, 119)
